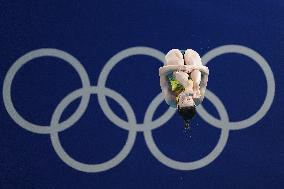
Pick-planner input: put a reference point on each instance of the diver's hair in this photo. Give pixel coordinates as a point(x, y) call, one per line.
point(187, 113)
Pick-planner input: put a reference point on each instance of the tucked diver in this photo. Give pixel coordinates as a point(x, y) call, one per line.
point(183, 80)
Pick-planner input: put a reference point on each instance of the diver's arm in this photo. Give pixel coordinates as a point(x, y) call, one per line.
point(165, 70)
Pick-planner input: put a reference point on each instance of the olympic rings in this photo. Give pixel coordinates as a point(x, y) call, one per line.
point(24, 60)
point(270, 81)
point(131, 124)
point(95, 167)
point(153, 105)
point(199, 163)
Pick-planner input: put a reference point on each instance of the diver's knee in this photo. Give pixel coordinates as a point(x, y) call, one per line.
point(191, 57)
point(174, 57)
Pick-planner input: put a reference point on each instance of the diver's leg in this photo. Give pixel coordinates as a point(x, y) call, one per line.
point(191, 57)
point(196, 78)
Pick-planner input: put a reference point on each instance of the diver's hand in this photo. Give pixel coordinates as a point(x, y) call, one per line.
point(181, 68)
point(203, 69)
point(186, 68)
point(189, 69)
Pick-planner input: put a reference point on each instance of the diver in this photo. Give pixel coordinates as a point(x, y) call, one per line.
point(183, 80)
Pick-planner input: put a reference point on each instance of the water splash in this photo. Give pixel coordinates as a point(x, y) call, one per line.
point(187, 132)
